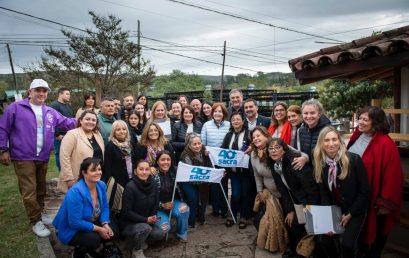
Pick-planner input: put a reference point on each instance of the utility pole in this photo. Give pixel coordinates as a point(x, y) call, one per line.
point(222, 80)
point(139, 58)
point(12, 68)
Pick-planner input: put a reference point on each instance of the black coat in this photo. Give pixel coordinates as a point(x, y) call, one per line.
point(246, 144)
point(303, 188)
point(139, 201)
point(309, 137)
point(115, 165)
point(179, 133)
point(354, 188)
point(261, 120)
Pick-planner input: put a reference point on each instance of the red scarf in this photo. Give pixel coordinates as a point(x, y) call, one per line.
point(285, 133)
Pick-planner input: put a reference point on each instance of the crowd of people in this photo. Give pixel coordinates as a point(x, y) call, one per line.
point(118, 164)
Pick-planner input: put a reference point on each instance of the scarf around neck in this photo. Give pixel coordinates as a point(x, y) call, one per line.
point(125, 146)
point(332, 171)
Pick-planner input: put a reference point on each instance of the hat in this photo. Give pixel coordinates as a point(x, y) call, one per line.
point(39, 83)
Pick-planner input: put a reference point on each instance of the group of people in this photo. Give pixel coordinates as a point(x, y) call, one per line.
point(118, 167)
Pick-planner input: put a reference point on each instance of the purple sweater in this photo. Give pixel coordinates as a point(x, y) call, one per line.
point(18, 130)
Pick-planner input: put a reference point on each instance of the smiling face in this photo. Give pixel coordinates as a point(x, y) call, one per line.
point(159, 111)
point(259, 139)
point(196, 145)
point(183, 101)
point(237, 122)
point(236, 99)
point(142, 171)
point(275, 151)
point(250, 109)
point(121, 132)
point(311, 116)
point(164, 162)
point(196, 105)
point(280, 113)
point(176, 109)
point(140, 109)
point(218, 114)
point(365, 123)
point(88, 122)
point(331, 144)
point(187, 116)
point(207, 110)
point(294, 118)
point(153, 133)
point(93, 174)
point(90, 102)
point(38, 96)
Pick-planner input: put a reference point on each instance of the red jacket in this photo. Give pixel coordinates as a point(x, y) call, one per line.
point(384, 169)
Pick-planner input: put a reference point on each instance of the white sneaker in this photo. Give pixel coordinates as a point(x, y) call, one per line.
point(46, 219)
point(40, 230)
point(138, 253)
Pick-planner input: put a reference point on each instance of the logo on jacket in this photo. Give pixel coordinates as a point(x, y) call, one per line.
point(50, 118)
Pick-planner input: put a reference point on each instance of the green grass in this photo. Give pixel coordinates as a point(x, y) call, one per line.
point(16, 237)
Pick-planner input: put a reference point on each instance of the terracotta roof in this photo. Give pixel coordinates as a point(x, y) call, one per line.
point(386, 44)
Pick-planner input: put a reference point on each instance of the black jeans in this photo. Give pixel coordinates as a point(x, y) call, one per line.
point(375, 249)
point(88, 242)
point(345, 245)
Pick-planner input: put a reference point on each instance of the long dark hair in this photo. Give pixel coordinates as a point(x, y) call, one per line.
point(188, 107)
point(378, 119)
point(88, 95)
point(87, 163)
point(146, 105)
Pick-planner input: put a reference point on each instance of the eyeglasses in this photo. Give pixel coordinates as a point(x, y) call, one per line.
point(274, 148)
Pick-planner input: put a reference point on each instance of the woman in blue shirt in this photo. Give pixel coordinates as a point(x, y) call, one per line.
point(83, 218)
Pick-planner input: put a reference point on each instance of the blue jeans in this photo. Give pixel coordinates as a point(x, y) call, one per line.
point(240, 194)
point(57, 145)
point(197, 205)
point(181, 218)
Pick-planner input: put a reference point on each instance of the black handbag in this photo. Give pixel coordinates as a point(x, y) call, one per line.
point(111, 250)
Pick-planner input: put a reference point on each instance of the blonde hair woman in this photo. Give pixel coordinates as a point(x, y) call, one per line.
point(160, 116)
point(117, 158)
point(152, 142)
point(343, 182)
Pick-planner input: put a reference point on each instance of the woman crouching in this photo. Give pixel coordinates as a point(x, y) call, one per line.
point(140, 202)
point(83, 218)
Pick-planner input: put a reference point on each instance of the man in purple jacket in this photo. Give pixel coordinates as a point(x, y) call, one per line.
point(27, 130)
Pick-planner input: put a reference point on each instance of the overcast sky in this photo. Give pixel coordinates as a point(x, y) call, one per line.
point(251, 46)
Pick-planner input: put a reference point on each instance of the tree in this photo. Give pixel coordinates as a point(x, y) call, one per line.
point(341, 97)
point(102, 59)
point(177, 81)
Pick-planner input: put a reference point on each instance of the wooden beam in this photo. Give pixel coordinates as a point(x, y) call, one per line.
point(379, 74)
point(352, 67)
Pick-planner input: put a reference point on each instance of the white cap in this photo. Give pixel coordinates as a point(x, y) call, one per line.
point(39, 83)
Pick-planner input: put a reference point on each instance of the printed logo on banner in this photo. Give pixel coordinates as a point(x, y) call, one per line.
point(199, 174)
point(227, 157)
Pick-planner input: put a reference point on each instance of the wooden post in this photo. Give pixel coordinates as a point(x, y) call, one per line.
point(222, 80)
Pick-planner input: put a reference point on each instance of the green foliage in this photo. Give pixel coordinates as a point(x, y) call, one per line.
point(101, 59)
point(177, 81)
point(340, 97)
